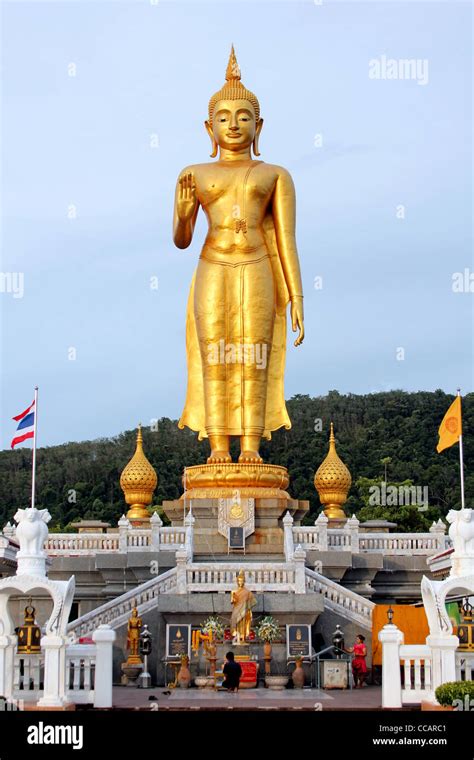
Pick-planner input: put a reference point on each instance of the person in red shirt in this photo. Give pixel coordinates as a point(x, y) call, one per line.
point(359, 666)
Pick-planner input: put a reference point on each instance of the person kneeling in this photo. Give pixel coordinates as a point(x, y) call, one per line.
point(232, 672)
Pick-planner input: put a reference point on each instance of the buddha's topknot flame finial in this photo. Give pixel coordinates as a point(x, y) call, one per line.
point(233, 89)
point(233, 71)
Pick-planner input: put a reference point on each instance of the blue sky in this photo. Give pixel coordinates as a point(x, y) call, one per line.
point(144, 70)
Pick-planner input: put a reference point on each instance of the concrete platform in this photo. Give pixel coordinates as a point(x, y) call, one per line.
point(368, 698)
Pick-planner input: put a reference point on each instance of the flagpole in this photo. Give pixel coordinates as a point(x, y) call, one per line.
point(33, 479)
point(461, 458)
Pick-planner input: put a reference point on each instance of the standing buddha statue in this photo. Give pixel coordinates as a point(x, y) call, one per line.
point(243, 601)
point(248, 272)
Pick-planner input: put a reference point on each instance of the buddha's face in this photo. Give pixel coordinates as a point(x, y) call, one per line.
point(240, 582)
point(234, 124)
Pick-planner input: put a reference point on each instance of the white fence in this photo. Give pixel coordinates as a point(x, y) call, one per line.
point(316, 537)
point(417, 667)
point(81, 663)
point(117, 611)
point(220, 577)
point(321, 538)
point(412, 672)
point(464, 666)
point(341, 600)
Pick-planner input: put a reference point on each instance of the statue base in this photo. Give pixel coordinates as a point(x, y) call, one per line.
point(130, 673)
point(221, 481)
point(266, 540)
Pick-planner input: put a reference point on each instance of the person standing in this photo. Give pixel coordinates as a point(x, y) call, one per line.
point(359, 666)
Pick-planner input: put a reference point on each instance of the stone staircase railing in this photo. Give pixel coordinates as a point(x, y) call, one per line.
point(202, 577)
point(341, 600)
point(116, 612)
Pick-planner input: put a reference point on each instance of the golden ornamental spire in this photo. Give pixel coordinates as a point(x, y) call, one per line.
point(138, 482)
point(332, 481)
point(233, 69)
point(233, 89)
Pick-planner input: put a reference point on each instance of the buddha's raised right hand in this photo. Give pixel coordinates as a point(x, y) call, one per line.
point(187, 200)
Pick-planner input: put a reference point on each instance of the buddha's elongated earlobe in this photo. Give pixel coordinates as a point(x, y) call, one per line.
point(213, 139)
point(257, 135)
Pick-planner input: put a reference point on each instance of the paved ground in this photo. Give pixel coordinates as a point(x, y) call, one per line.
point(131, 698)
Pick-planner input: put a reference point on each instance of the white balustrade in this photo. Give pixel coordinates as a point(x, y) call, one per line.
point(349, 539)
point(138, 539)
point(402, 543)
point(259, 577)
point(464, 666)
point(117, 611)
point(172, 538)
point(341, 600)
point(126, 539)
point(308, 536)
point(28, 673)
point(416, 661)
point(80, 673)
point(81, 543)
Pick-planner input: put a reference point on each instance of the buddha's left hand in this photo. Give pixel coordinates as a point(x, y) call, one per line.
point(297, 318)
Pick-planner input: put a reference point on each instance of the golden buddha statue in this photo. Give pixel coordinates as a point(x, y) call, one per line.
point(247, 273)
point(243, 601)
point(133, 638)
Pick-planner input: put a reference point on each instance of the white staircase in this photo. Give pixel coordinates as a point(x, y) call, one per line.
point(348, 604)
point(199, 577)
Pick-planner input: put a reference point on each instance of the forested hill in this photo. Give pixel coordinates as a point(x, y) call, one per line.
point(396, 426)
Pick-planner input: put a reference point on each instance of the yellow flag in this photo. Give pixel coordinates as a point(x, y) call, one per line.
point(451, 426)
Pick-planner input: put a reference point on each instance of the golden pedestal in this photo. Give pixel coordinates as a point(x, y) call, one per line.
point(214, 481)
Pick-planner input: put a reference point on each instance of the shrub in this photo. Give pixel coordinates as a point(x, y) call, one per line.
point(448, 693)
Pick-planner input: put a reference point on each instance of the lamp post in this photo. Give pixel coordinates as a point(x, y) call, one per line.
point(144, 679)
point(338, 642)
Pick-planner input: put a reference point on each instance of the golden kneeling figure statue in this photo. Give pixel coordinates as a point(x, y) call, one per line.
point(248, 272)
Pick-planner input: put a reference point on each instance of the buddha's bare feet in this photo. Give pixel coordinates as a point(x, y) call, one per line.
point(219, 457)
point(249, 445)
point(219, 449)
point(250, 457)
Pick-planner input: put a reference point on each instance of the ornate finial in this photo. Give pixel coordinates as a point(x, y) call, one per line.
point(332, 481)
point(233, 70)
point(233, 89)
point(138, 482)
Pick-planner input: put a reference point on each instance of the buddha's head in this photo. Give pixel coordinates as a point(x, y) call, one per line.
point(234, 114)
point(241, 579)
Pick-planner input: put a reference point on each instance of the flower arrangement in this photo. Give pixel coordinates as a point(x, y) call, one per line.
point(213, 625)
point(268, 629)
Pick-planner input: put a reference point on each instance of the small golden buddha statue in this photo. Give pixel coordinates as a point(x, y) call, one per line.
point(247, 273)
point(133, 638)
point(243, 601)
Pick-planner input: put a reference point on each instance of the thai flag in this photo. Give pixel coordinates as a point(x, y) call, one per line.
point(26, 425)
